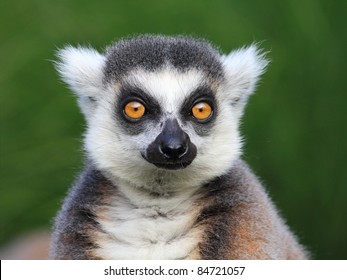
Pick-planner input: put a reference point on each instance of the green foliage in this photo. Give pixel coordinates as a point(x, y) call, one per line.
point(295, 126)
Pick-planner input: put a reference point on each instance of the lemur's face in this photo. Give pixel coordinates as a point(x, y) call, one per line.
point(164, 122)
point(166, 115)
point(162, 111)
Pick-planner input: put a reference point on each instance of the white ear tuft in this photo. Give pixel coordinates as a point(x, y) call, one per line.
point(82, 69)
point(243, 68)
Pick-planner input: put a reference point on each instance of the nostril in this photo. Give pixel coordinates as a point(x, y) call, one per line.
point(181, 151)
point(173, 151)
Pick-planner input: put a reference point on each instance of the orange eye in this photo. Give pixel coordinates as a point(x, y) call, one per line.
point(202, 111)
point(134, 110)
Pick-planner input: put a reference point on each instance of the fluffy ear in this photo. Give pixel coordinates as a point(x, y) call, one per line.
point(243, 68)
point(82, 69)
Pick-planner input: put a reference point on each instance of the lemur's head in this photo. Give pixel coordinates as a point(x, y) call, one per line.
point(162, 110)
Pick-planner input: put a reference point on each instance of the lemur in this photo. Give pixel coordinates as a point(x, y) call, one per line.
point(163, 177)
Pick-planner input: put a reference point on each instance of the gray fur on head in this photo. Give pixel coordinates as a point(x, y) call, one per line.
point(152, 52)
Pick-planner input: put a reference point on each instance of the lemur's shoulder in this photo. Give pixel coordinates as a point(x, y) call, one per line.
point(76, 221)
point(241, 214)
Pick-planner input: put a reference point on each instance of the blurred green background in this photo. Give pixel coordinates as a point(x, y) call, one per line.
point(294, 127)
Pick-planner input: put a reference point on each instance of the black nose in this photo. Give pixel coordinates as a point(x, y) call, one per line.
point(175, 148)
point(173, 141)
point(172, 149)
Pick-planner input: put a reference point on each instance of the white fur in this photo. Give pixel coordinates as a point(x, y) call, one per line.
point(143, 228)
point(242, 68)
point(82, 69)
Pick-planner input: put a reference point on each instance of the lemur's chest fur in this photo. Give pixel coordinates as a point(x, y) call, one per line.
point(228, 218)
point(163, 228)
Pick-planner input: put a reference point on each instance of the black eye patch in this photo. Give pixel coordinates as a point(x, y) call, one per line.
point(132, 93)
point(129, 93)
point(201, 94)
